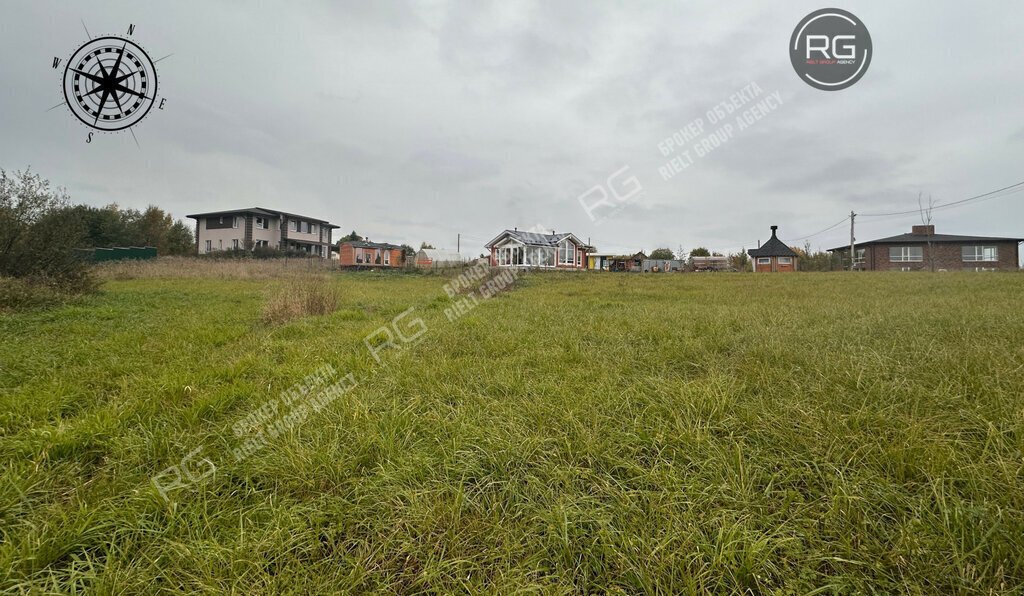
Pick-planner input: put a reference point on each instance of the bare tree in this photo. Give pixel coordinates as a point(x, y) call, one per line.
point(926, 220)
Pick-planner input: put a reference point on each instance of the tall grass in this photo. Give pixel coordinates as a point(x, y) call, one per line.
point(301, 298)
point(788, 434)
point(195, 268)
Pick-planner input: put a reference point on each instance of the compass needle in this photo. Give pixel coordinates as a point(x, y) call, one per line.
point(90, 76)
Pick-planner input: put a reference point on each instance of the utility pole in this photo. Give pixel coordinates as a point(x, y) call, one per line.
point(853, 255)
point(458, 242)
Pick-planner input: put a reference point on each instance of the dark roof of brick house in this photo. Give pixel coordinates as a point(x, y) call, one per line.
point(773, 248)
point(912, 238)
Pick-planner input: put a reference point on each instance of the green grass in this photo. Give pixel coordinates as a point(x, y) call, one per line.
point(846, 433)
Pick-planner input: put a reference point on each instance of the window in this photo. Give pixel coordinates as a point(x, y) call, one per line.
point(234, 244)
point(312, 228)
point(785, 260)
point(566, 253)
point(261, 223)
point(293, 225)
point(980, 253)
point(387, 257)
point(764, 260)
point(234, 221)
point(550, 254)
point(259, 243)
point(906, 254)
point(858, 261)
point(208, 245)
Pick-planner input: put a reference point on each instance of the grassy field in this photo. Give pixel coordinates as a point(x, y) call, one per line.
point(790, 434)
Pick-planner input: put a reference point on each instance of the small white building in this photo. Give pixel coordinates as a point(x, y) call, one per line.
point(438, 258)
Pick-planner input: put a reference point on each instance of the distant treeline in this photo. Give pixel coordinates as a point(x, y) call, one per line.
point(103, 227)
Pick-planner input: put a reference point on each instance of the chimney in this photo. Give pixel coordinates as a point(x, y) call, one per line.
point(515, 229)
point(922, 230)
point(773, 230)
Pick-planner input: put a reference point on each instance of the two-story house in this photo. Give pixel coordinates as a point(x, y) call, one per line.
point(246, 229)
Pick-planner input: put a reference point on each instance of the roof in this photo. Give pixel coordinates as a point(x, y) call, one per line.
point(773, 248)
point(535, 239)
point(262, 211)
point(926, 238)
point(367, 244)
point(440, 255)
point(633, 257)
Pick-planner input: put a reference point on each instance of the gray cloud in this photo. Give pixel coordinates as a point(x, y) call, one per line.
point(412, 121)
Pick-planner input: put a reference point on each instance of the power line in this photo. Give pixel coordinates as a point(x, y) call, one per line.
point(833, 226)
point(987, 195)
point(994, 194)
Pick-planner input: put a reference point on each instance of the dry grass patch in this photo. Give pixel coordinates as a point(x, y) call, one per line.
point(305, 298)
point(198, 268)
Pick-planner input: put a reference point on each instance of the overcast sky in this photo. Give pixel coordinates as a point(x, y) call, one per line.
point(413, 122)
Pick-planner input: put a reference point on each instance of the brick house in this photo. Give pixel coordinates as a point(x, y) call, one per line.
point(246, 229)
point(773, 256)
point(923, 250)
point(515, 248)
point(363, 253)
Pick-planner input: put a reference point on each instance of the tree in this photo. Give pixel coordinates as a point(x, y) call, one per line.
point(112, 226)
point(700, 251)
point(181, 239)
point(408, 251)
point(38, 232)
point(926, 220)
point(740, 260)
point(662, 254)
point(425, 245)
point(352, 237)
point(809, 260)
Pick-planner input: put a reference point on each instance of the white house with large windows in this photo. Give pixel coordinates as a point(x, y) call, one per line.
point(515, 248)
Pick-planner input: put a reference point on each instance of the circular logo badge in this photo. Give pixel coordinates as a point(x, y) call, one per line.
point(830, 49)
point(110, 83)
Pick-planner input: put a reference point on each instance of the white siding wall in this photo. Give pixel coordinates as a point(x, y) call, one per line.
point(221, 239)
point(272, 235)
